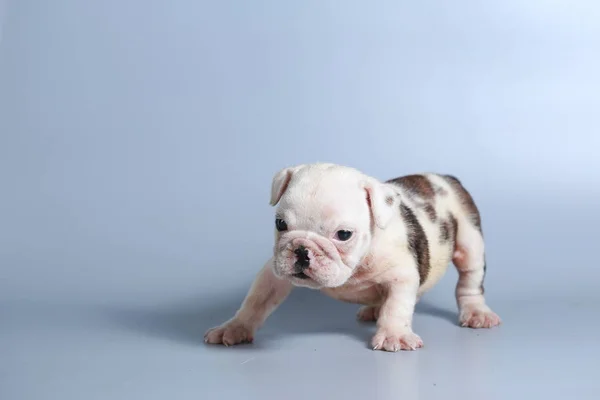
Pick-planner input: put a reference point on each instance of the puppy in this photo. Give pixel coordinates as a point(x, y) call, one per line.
point(378, 244)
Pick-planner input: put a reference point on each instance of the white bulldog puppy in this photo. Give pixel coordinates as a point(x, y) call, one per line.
point(378, 244)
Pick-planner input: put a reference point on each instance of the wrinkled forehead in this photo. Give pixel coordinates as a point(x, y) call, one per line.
point(326, 198)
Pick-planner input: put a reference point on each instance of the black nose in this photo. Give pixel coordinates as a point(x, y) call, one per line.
point(303, 261)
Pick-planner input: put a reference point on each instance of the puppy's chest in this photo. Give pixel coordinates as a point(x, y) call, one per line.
point(364, 293)
point(364, 287)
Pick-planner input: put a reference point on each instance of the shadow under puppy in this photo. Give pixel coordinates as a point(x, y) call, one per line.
point(360, 240)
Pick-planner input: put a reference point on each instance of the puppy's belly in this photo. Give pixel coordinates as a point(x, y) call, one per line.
point(371, 296)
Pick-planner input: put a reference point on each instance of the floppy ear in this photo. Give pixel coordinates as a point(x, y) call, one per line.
point(382, 200)
point(280, 183)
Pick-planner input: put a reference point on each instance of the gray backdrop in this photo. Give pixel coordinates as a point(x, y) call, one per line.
point(137, 144)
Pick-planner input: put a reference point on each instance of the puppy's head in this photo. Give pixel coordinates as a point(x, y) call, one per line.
point(325, 219)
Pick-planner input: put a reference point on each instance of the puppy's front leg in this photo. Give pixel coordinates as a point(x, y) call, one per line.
point(265, 295)
point(394, 325)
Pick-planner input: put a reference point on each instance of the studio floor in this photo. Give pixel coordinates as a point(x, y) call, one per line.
point(139, 334)
point(312, 347)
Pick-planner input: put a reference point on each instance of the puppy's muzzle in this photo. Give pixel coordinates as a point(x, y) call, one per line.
point(302, 262)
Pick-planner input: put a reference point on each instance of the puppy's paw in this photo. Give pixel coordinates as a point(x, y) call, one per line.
point(230, 333)
point(478, 316)
point(368, 314)
point(395, 340)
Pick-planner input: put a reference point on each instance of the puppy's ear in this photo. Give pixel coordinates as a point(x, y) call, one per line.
point(280, 183)
point(382, 201)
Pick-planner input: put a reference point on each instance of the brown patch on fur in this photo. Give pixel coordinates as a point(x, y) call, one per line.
point(454, 229)
point(483, 277)
point(419, 186)
point(389, 200)
point(466, 200)
point(416, 184)
point(444, 231)
point(430, 210)
point(448, 232)
point(417, 242)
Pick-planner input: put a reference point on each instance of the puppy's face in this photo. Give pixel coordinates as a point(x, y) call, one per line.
point(324, 222)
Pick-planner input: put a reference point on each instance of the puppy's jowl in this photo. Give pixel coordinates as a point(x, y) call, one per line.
point(378, 244)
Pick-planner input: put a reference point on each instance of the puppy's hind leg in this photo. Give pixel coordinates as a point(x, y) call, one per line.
point(368, 313)
point(265, 295)
point(469, 259)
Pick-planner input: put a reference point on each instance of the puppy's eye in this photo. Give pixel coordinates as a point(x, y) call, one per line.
point(343, 235)
point(280, 225)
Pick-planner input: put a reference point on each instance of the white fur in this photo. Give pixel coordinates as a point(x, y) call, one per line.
point(375, 267)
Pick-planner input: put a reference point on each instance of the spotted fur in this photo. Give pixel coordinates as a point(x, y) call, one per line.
point(417, 241)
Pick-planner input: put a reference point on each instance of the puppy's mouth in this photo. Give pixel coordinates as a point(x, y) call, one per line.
point(301, 275)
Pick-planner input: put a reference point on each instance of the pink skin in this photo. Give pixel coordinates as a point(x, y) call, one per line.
point(326, 269)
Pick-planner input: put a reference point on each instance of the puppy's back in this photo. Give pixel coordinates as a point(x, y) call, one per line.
point(435, 206)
